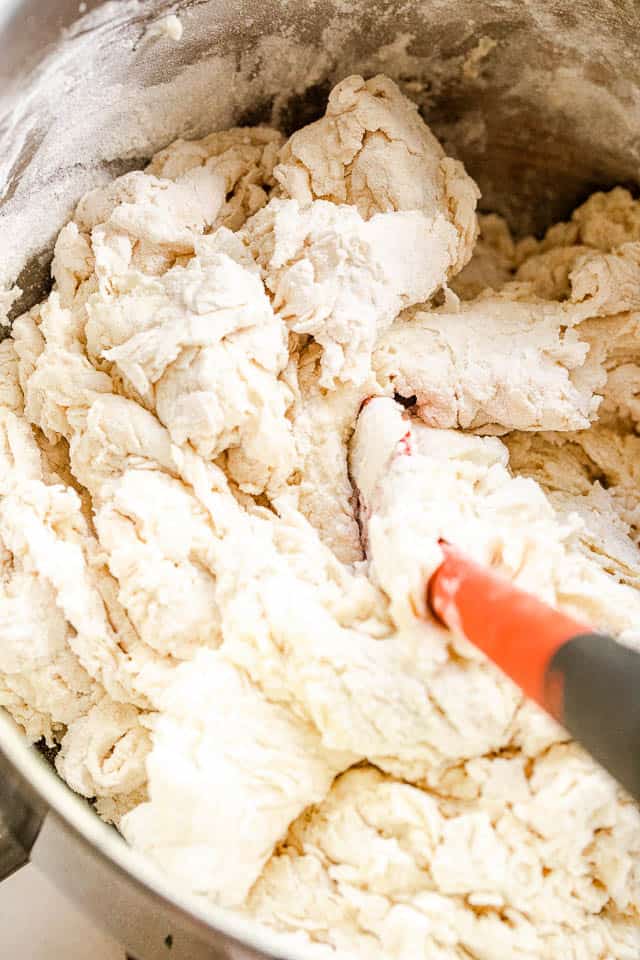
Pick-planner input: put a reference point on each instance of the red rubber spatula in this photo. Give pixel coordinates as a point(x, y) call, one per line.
point(586, 680)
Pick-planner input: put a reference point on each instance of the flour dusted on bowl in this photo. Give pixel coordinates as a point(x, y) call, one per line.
point(214, 563)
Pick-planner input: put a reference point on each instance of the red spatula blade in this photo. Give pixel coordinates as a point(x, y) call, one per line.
point(515, 629)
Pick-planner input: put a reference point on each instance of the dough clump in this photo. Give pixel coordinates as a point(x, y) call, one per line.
point(214, 551)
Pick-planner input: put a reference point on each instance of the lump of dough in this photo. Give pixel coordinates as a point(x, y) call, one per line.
point(615, 340)
point(342, 279)
point(373, 150)
point(186, 190)
point(518, 359)
point(226, 766)
point(376, 219)
point(104, 752)
point(203, 348)
point(152, 219)
point(571, 258)
point(42, 682)
point(607, 283)
point(43, 529)
point(607, 220)
point(66, 661)
point(604, 221)
point(593, 474)
point(495, 364)
point(164, 213)
point(111, 441)
point(548, 273)
point(242, 160)
point(385, 866)
point(322, 424)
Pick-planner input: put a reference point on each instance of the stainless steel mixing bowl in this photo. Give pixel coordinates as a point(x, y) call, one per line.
point(540, 98)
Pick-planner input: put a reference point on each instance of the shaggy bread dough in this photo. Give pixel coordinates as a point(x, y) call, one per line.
point(213, 588)
point(372, 150)
point(493, 262)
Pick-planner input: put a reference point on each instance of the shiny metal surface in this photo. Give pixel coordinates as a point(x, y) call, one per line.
point(13, 854)
point(551, 113)
point(21, 817)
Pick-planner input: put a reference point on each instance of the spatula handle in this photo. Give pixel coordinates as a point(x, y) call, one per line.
point(586, 680)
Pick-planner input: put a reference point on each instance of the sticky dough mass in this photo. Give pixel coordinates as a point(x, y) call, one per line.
point(213, 569)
